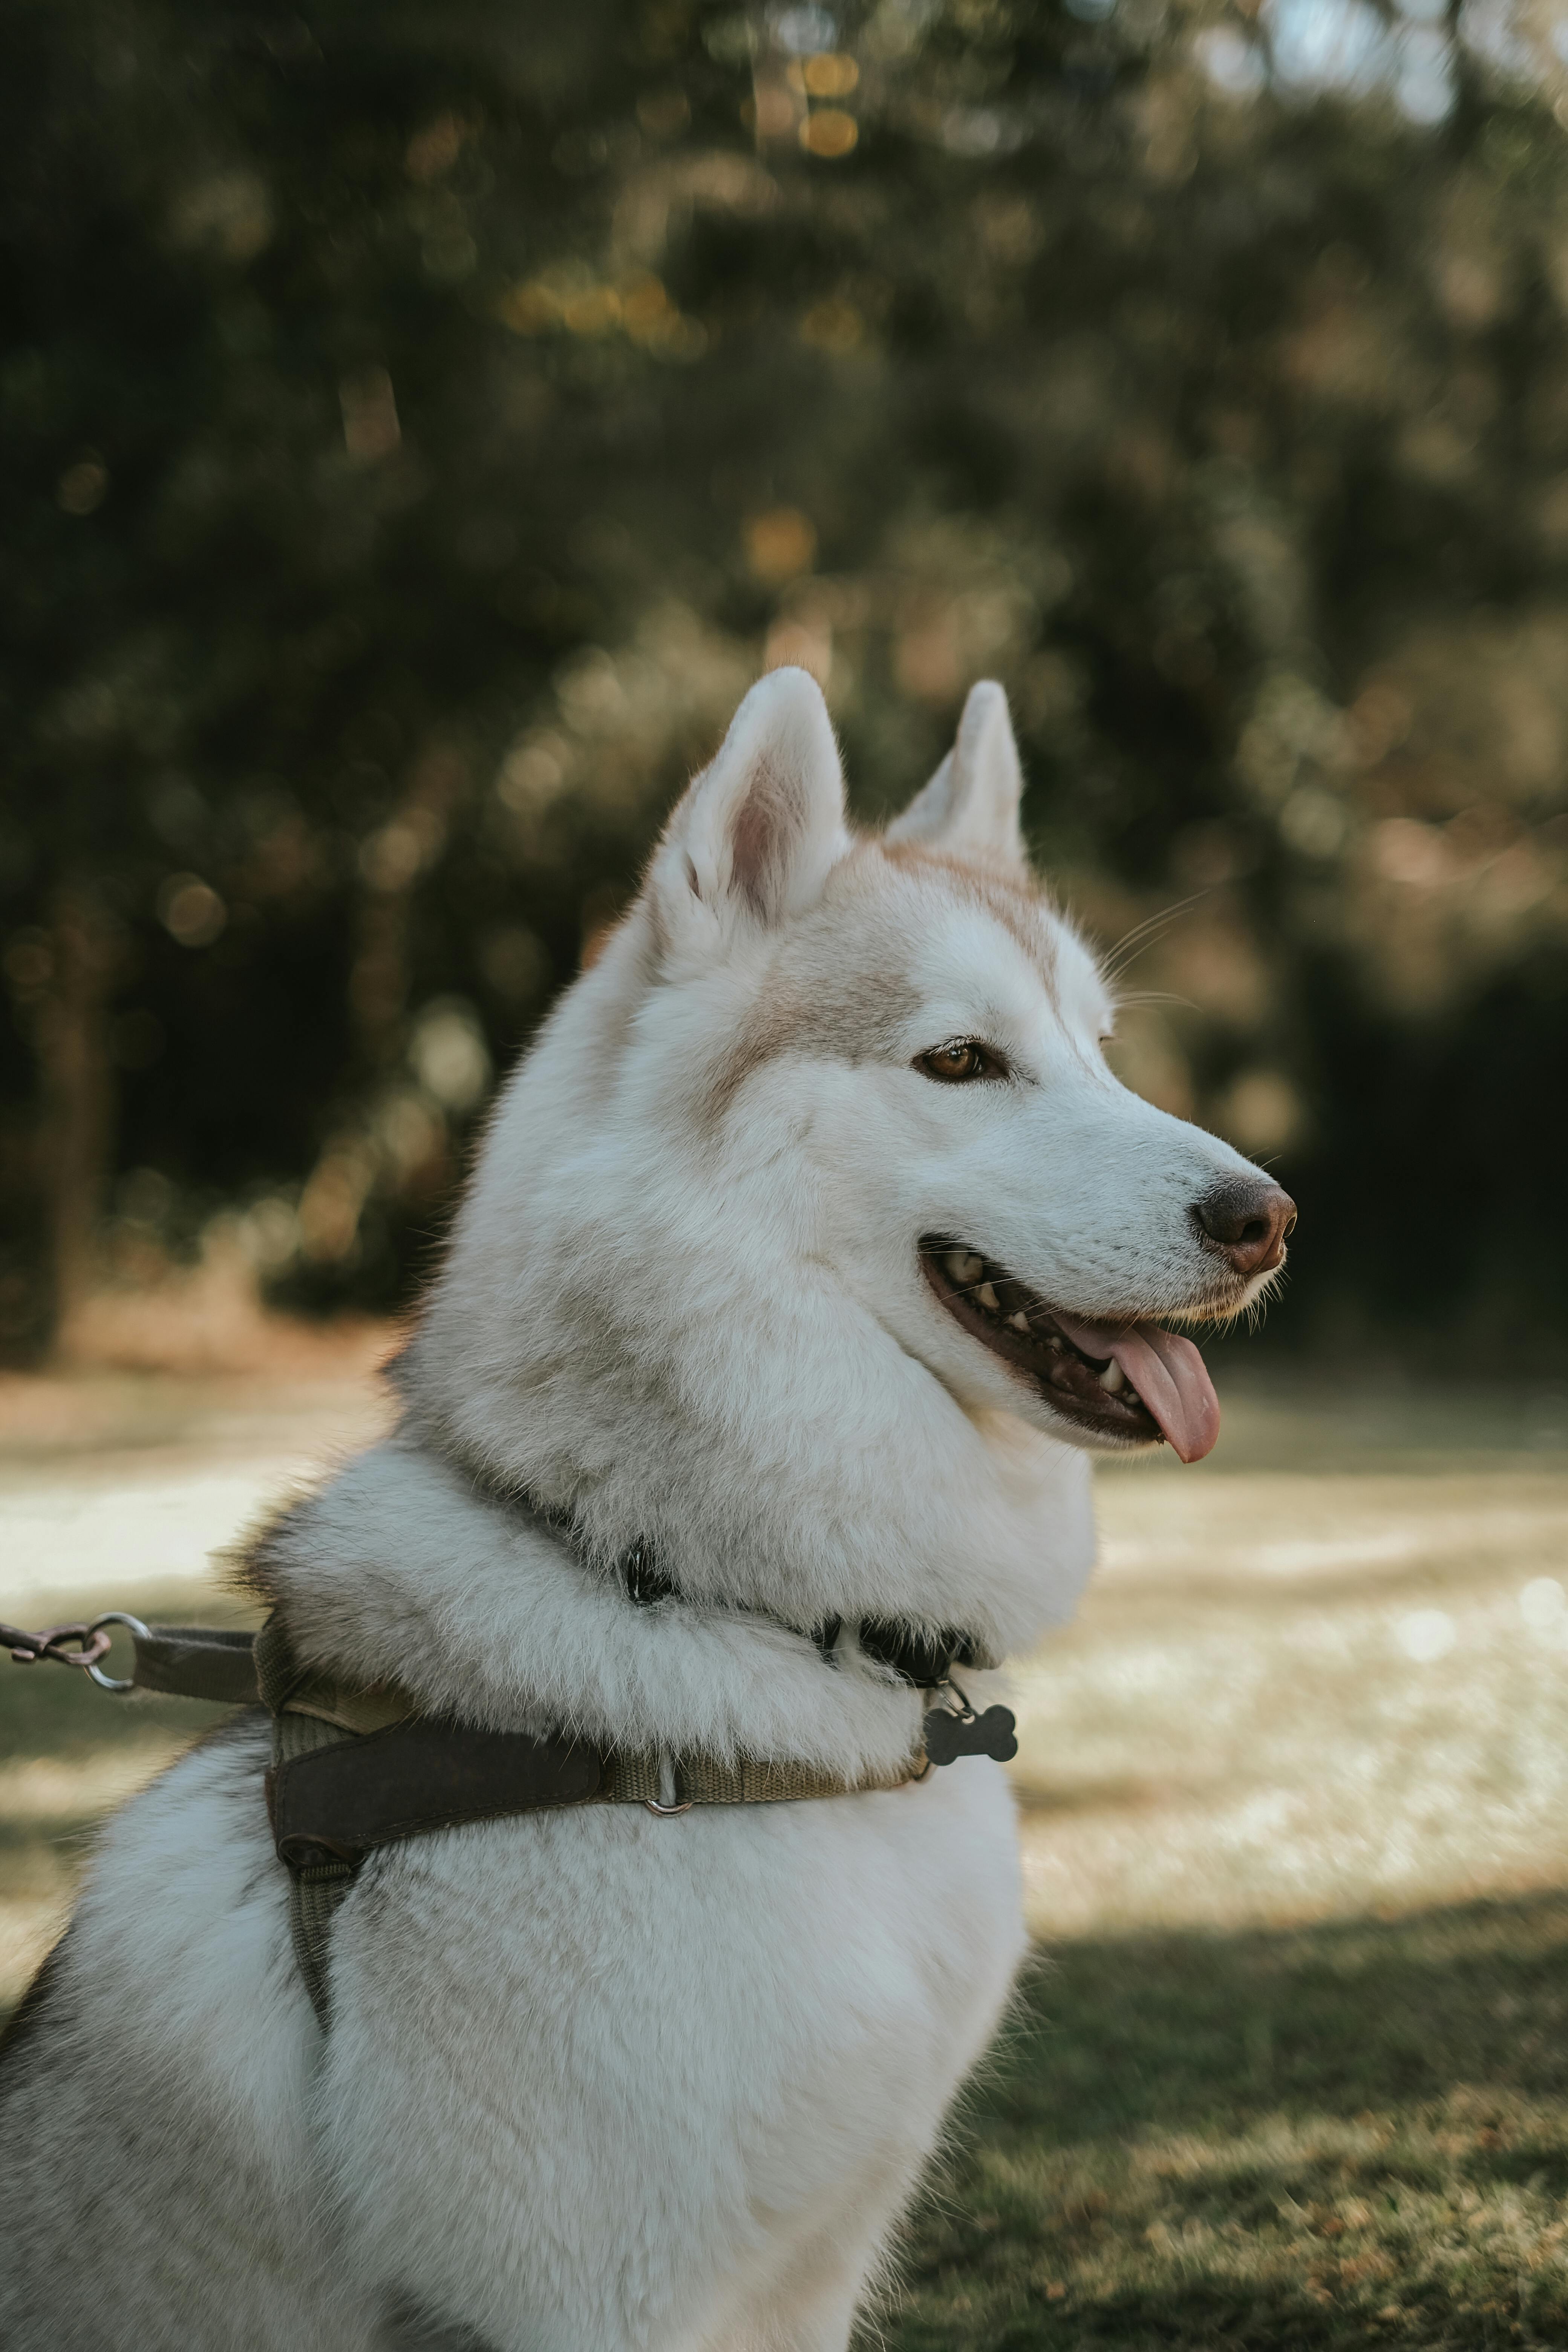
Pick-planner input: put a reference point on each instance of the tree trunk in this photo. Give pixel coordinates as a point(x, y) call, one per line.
point(78, 1100)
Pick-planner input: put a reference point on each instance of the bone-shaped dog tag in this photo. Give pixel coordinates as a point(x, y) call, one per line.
point(994, 1733)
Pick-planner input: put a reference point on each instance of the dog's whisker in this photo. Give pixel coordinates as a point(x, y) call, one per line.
point(1156, 996)
point(1142, 935)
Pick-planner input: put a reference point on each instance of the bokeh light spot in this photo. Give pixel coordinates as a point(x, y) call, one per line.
point(82, 488)
point(829, 133)
point(830, 76)
point(191, 910)
point(1426, 1636)
point(780, 543)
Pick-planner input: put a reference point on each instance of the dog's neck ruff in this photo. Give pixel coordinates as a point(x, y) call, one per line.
point(921, 1657)
point(405, 1570)
point(484, 1612)
point(343, 1780)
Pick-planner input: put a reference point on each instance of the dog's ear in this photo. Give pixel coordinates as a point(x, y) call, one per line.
point(970, 805)
point(756, 831)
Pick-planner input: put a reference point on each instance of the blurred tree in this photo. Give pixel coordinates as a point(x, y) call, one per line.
point(421, 423)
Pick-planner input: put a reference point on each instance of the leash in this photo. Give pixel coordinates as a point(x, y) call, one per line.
point(179, 1661)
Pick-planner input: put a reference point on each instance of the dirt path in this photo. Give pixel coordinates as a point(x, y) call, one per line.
point(120, 1479)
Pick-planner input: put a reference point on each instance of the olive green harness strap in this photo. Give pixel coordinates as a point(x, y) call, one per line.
point(671, 1783)
point(355, 1769)
point(315, 1887)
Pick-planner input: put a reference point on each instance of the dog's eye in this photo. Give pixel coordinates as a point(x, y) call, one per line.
point(956, 1062)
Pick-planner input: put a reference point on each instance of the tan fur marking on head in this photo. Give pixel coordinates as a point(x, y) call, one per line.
point(853, 1015)
point(848, 1026)
point(1022, 910)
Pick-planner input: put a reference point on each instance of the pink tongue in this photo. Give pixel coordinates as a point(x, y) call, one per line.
point(1168, 1373)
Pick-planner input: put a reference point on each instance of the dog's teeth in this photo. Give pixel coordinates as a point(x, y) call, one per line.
point(1113, 1378)
point(987, 1296)
point(965, 1265)
point(1019, 1322)
point(1055, 1343)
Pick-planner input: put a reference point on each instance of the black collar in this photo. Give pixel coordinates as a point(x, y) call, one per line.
point(919, 1657)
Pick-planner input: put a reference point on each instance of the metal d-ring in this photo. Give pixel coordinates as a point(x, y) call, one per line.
point(138, 1632)
point(668, 1788)
point(963, 1712)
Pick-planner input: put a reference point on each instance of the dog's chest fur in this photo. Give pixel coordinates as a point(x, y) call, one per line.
point(594, 2080)
point(734, 2031)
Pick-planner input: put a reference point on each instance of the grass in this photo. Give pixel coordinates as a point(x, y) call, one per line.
point(1319, 2136)
point(1290, 2069)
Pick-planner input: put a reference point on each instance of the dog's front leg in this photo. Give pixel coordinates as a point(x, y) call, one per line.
point(810, 2303)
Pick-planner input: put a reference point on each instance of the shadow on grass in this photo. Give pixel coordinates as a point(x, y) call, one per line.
point(1349, 2133)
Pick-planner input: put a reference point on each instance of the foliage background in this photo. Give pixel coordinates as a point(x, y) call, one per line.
point(419, 424)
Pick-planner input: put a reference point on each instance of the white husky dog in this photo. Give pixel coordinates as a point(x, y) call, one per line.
point(814, 1245)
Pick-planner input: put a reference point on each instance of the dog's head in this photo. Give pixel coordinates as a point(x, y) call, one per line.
point(818, 1181)
point(922, 1043)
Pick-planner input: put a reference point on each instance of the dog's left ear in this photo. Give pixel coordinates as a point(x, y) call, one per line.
point(970, 805)
point(756, 834)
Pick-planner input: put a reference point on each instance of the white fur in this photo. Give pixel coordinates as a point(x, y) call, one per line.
point(600, 2081)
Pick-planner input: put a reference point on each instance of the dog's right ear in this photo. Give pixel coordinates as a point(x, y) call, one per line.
point(970, 805)
point(753, 838)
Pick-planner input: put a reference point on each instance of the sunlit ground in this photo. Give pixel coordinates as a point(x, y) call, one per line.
point(1324, 1673)
point(1294, 1813)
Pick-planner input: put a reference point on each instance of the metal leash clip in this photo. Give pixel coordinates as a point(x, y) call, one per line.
point(80, 1645)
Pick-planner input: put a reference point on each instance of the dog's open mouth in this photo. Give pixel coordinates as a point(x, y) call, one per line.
point(1128, 1381)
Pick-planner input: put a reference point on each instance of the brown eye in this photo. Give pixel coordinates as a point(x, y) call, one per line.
point(959, 1060)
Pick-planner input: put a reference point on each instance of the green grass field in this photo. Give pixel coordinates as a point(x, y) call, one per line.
point(1289, 2068)
point(1345, 2133)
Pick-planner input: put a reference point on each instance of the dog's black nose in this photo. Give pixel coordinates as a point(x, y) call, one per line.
point(1247, 1219)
